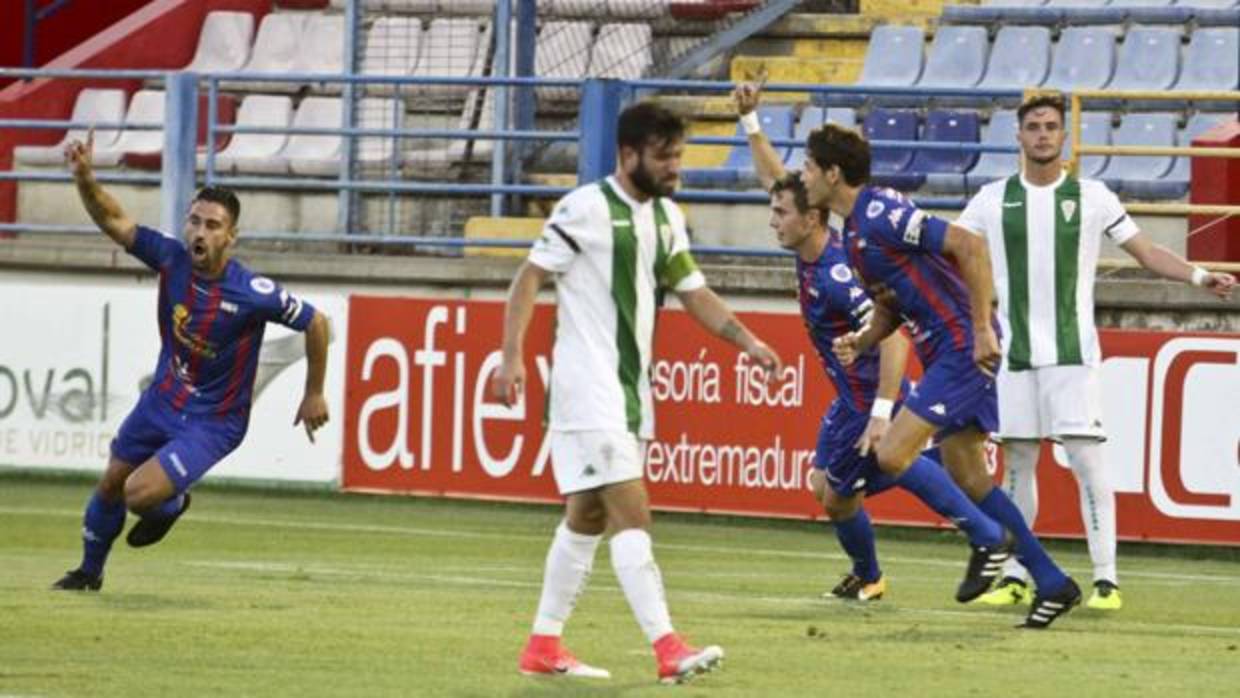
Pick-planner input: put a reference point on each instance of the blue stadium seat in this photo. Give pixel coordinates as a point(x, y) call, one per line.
point(890, 166)
point(1084, 59)
point(1020, 58)
point(1216, 14)
point(957, 58)
point(1141, 174)
point(1095, 130)
point(990, 166)
point(1175, 182)
point(811, 118)
point(893, 59)
point(1149, 59)
point(738, 168)
point(946, 127)
point(1212, 62)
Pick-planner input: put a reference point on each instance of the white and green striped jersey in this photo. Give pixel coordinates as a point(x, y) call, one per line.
point(611, 255)
point(1044, 243)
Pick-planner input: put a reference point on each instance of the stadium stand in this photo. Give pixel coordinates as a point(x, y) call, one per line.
point(811, 118)
point(957, 58)
point(1149, 59)
point(1175, 183)
point(275, 50)
point(990, 165)
point(777, 122)
point(894, 59)
point(250, 153)
point(1131, 173)
point(947, 127)
point(1084, 58)
point(891, 166)
point(612, 55)
point(1212, 62)
point(563, 51)
point(1020, 58)
point(224, 43)
point(1095, 130)
point(314, 155)
point(93, 105)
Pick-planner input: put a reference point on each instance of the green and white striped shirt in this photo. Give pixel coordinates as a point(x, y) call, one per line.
point(1044, 244)
point(611, 255)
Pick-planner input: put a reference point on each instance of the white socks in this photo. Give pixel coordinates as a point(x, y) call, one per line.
point(1097, 504)
point(633, 561)
point(1020, 483)
point(569, 562)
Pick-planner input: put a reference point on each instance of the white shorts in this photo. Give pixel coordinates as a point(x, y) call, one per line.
point(588, 460)
point(1052, 402)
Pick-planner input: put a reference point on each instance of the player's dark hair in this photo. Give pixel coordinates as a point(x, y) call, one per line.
point(1054, 101)
point(647, 122)
point(791, 182)
point(833, 145)
point(224, 197)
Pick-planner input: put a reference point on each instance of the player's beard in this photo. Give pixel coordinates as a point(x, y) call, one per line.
point(647, 184)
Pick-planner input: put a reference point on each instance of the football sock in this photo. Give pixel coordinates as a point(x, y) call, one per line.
point(569, 561)
point(1097, 504)
point(632, 558)
point(934, 486)
point(101, 524)
point(1046, 574)
point(856, 537)
point(1020, 482)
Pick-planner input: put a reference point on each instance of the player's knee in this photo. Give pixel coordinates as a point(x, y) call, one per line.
point(892, 458)
point(140, 497)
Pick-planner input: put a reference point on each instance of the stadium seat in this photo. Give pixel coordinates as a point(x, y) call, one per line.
point(636, 9)
point(946, 127)
point(621, 51)
point(990, 165)
point(141, 156)
point(562, 51)
point(433, 157)
point(321, 48)
point(811, 118)
point(378, 152)
point(893, 59)
point(1084, 59)
point(709, 10)
point(93, 105)
point(313, 154)
point(257, 152)
point(1149, 59)
point(302, 4)
point(391, 48)
point(1020, 59)
point(1095, 130)
point(890, 166)
point(738, 168)
point(1132, 174)
point(957, 58)
point(224, 43)
point(1175, 183)
point(275, 51)
point(1212, 62)
point(450, 49)
point(1222, 15)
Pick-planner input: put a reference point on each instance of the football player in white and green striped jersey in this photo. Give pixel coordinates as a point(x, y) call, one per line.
point(1044, 227)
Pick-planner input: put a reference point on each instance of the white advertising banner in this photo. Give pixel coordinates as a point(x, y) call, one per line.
point(78, 350)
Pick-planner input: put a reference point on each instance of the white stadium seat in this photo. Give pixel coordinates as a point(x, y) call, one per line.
point(312, 154)
point(146, 108)
point(92, 105)
point(224, 43)
point(621, 51)
point(257, 152)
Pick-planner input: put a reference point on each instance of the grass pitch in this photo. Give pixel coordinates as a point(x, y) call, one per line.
point(311, 594)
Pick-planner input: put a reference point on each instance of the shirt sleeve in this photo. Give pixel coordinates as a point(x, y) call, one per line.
point(564, 233)
point(973, 218)
point(277, 305)
point(153, 248)
point(900, 224)
point(682, 273)
point(1117, 224)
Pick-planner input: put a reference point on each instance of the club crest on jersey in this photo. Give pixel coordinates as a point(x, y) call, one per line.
point(1068, 207)
point(841, 273)
point(874, 210)
point(263, 285)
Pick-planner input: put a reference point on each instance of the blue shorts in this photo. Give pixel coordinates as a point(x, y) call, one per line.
point(954, 395)
point(187, 445)
point(848, 472)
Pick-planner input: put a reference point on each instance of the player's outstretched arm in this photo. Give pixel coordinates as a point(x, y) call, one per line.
point(103, 209)
point(705, 306)
point(766, 160)
point(1170, 265)
point(313, 410)
point(509, 380)
point(972, 257)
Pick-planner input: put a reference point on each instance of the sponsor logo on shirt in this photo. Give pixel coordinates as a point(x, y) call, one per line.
point(1013, 204)
point(180, 329)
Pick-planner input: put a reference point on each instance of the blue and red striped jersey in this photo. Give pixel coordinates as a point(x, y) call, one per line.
point(211, 330)
point(833, 303)
point(893, 244)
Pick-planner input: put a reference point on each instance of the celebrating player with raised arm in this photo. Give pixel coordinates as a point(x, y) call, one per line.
point(936, 277)
point(211, 314)
point(610, 245)
point(833, 304)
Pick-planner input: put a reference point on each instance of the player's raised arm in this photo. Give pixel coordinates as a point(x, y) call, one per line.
point(972, 257)
point(705, 306)
point(313, 410)
point(103, 209)
point(508, 381)
point(1170, 265)
point(767, 162)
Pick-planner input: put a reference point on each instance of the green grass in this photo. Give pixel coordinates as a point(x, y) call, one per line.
point(271, 593)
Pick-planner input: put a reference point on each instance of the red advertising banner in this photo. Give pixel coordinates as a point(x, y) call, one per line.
point(419, 418)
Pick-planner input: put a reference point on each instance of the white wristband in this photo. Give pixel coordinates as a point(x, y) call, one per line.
point(751, 124)
point(1199, 276)
point(882, 408)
